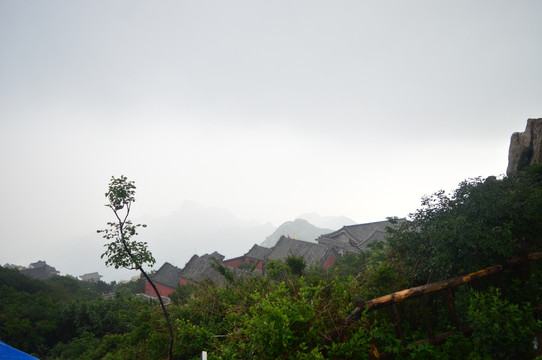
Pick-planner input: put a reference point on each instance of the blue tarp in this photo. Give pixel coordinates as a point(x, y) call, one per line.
point(9, 353)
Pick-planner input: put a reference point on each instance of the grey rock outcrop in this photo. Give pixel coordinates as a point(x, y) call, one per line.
point(526, 147)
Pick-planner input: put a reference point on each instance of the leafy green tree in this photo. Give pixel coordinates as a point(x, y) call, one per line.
point(183, 293)
point(98, 317)
point(351, 264)
point(280, 270)
point(296, 264)
point(134, 287)
point(123, 250)
point(64, 287)
point(34, 314)
point(247, 265)
point(501, 330)
point(28, 320)
point(276, 269)
point(482, 223)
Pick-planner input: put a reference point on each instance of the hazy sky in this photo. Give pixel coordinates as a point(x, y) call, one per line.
point(268, 109)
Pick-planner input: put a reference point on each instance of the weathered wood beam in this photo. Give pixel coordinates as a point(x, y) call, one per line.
point(419, 291)
point(415, 292)
point(446, 284)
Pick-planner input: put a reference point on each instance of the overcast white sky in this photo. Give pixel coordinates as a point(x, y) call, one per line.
point(268, 109)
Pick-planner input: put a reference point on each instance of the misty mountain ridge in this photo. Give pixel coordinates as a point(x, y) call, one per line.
point(191, 229)
point(328, 222)
point(307, 227)
point(196, 229)
point(299, 228)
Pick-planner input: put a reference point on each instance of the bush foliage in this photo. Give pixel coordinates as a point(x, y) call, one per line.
point(297, 312)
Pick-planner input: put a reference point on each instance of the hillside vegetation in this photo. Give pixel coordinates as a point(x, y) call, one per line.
point(296, 312)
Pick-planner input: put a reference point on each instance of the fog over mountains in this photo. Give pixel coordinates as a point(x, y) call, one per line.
point(191, 229)
point(298, 229)
point(329, 222)
point(195, 229)
point(302, 229)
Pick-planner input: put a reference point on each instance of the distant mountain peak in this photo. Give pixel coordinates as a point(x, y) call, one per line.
point(329, 222)
point(299, 229)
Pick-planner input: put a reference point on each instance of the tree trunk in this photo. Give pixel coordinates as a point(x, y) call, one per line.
point(166, 315)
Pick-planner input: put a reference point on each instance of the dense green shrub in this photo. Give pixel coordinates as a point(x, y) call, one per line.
point(482, 223)
point(296, 265)
point(276, 270)
point(501, 330)
point(183, 293)
point(300, 313)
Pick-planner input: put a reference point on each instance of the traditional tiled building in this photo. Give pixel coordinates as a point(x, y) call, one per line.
point(199, 268)
point(323, 253)
point(314, 254)
point(166, 280)
point(355, 238)
point(40, 270)
point(256, 256)
point(91, 277)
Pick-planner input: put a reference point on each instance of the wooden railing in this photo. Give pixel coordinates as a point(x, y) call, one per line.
point(391, 300)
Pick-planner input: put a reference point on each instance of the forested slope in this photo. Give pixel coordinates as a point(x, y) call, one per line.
point(295, 312)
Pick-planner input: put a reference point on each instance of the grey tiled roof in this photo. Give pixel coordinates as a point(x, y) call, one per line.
point(313, 254)
point(167, 275)
point(200, 267)
point(338, 244)
point(354, 238)
point(258, 252)
point(38, 264)
point(40, 270)
point(91, 277)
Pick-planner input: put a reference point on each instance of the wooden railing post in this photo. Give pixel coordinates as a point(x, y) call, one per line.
point(399, 325)
point(427, 318)
point(451, 306)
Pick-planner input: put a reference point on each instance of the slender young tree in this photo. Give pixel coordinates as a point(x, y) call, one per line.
point(122, 249)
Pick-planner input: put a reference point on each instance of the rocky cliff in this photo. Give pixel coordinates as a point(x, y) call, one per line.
point(525, 147)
